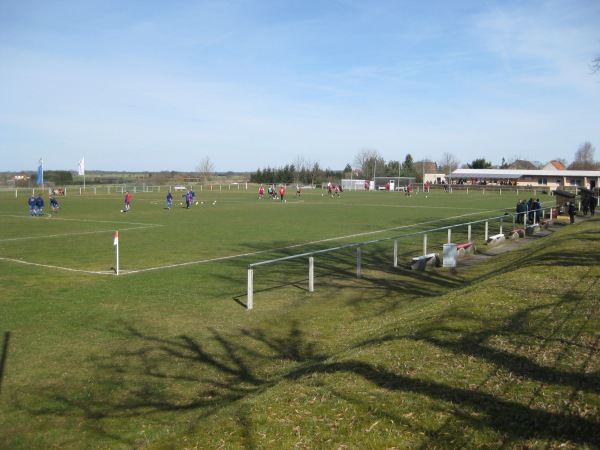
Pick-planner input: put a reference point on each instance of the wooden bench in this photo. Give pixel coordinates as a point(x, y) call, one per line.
point(422, 262)
point(466, 249)
point(495, 240)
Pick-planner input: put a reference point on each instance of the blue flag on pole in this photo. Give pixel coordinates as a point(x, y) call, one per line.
point(40, 177)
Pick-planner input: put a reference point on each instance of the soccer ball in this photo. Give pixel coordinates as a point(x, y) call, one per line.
point(121, 210)
point(181, 203)
point(196, 203)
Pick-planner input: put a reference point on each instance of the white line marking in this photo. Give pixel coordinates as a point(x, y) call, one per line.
point(241, 255)
point(28, 263)
point(82, 220)
point(82, 233)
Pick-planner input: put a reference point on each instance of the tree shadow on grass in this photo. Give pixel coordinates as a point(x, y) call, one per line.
point(379, 283)
point(153, 374)
point(4, 357)
point(149, 374)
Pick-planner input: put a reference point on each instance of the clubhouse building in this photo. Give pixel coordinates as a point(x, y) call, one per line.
point(548, 178)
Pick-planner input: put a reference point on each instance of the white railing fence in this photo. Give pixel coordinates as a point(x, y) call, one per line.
point(499, 221)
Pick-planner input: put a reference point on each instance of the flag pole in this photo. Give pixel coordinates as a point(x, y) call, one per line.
point(116, 245)
point(117, 258)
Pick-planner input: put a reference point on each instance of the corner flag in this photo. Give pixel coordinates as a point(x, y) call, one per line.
point(81, 167)
point(116, 246)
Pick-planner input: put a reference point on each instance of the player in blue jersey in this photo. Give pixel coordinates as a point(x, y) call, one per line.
point(54, 203)
point(32, 204)
point(39, 203)
point(169, 200)
point(188, 199)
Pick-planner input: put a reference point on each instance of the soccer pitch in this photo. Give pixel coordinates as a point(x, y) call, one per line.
point(212, 243)
point(233, 226)
point(99, 360)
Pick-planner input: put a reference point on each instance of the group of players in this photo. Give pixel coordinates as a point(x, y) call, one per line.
point(36, 204)
point(189, 196)
point(334, 190)
point(273, 193)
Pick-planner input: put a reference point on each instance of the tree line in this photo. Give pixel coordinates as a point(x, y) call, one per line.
point(369, 163)
point(290, 174)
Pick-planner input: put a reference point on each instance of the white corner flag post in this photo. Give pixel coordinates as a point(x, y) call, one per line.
point(116, 245)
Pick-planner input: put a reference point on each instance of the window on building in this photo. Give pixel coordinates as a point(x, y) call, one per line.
point(542, 180)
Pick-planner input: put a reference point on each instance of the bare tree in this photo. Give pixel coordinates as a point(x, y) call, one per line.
point(584, 157)
point(300, 163)
point(538, 164)
point(206, 169)
point(422, 168)
point(448, 163)
point(367, 160)
point(595, 64)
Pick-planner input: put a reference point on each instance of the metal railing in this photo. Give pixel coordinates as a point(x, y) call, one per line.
point(311, 255)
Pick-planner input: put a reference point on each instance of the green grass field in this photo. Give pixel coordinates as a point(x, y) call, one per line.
point(166, 355)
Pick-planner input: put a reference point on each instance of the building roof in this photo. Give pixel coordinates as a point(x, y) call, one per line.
point(521, 164)
point(429, 166)
point(555, 164)
point(514, 174)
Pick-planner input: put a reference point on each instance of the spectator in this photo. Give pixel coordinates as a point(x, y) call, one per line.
point(572, 211)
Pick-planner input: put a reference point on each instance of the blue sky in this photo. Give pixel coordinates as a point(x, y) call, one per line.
point(153, 85)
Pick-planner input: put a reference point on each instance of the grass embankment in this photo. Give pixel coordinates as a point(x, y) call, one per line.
point(508, 358)
point(504, 354)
